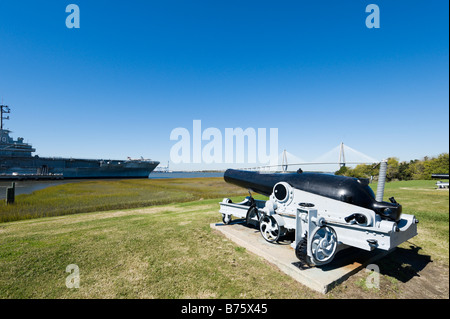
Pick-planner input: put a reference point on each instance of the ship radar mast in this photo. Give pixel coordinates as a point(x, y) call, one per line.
point(4, 110)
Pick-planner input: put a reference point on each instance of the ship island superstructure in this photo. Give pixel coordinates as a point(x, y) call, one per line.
point(17, 161)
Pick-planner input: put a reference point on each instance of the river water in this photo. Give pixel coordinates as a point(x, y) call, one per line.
point(27, 187)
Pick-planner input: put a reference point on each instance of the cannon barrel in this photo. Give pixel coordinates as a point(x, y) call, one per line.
point(347, 189)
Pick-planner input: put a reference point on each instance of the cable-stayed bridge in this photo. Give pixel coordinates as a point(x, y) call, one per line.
point(330, 161)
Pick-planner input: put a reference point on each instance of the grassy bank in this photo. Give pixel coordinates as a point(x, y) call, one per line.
point(91, 196)
point(169, 251)
point(159, 252)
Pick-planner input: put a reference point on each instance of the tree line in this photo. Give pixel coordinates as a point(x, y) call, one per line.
point(403, 171)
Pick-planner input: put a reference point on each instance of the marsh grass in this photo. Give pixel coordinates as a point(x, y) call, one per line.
point(93, 196)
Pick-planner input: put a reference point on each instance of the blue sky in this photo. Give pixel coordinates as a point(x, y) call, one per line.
point(135, 70)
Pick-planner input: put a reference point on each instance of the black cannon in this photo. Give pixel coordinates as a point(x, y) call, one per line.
point(346, 189)
point(327, 212)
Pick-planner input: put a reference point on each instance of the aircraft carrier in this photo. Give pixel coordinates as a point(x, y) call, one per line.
point(17, 162)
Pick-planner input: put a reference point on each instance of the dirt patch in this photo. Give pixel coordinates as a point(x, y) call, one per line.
point(404, 274)
point(160, 209)
point(418, 189)
point(432, 282)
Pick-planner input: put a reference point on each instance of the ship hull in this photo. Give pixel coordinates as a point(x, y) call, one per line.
point(75, 168)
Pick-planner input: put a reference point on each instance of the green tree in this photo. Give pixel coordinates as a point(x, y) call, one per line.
point(404, 171)
point(415, 169)
point(342, 171)
point(418, 170)
point(392, 172)
point(439, 165)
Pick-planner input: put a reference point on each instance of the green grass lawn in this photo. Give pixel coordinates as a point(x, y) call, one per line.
point(168, 250)
point(431, 208)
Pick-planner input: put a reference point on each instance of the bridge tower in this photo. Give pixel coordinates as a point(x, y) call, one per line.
point(341, 155)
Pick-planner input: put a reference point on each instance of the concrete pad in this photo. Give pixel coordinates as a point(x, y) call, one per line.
point(346, 262)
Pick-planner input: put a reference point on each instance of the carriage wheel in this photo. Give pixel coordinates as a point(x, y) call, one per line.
point(270, 229)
